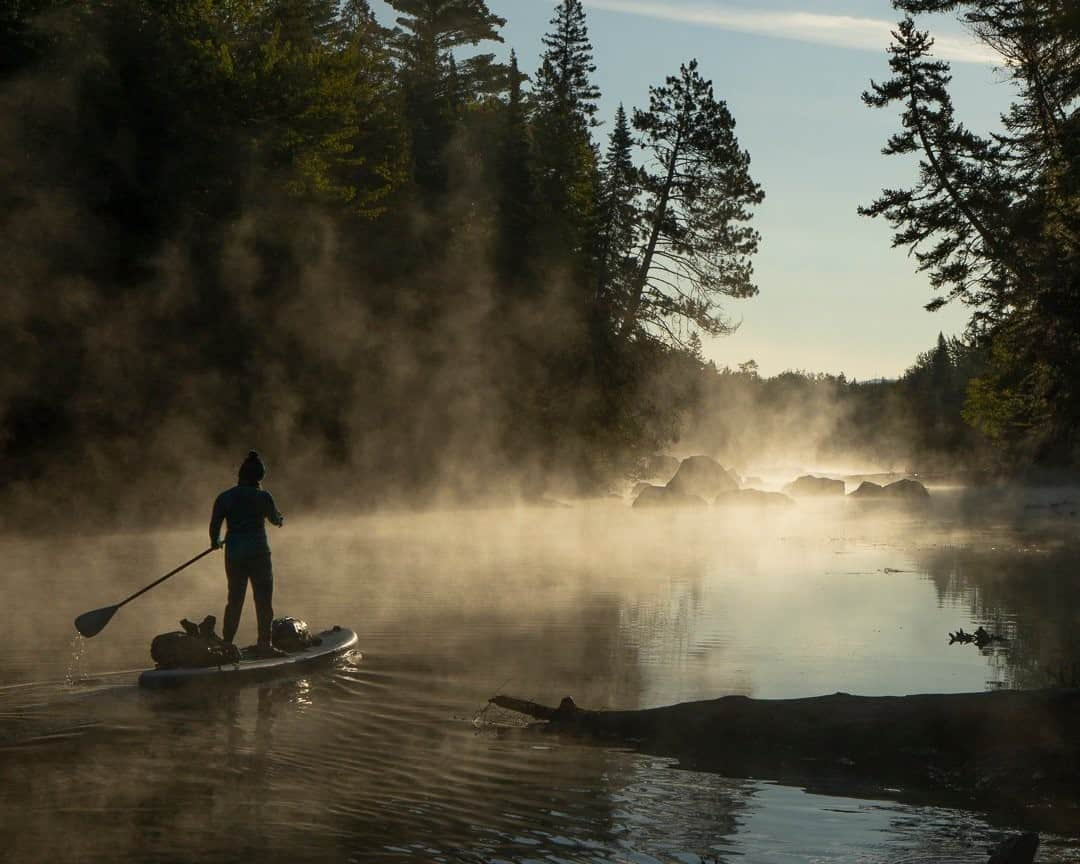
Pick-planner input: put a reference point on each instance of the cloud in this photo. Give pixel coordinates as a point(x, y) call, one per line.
point(843, 31)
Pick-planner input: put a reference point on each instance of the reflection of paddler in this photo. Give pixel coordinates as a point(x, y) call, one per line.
point(245, 509)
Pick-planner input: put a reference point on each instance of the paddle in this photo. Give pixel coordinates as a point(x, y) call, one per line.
point(91, 623)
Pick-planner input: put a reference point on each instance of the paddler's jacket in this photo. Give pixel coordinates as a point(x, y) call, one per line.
point(245, 509)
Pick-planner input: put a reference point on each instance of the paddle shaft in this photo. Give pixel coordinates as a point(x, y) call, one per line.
point(168, 575)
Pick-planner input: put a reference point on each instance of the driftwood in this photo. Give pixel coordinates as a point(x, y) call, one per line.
point(1000, 750)
point(1020, 849)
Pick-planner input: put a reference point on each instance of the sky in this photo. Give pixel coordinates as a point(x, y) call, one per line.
point(835, 297)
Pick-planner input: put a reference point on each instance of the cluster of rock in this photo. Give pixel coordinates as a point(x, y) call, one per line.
point(820, 487)
point(901, 490)
point(814, 487)
point(700, 479)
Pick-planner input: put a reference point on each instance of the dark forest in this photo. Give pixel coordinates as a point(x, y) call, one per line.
point(396, 262)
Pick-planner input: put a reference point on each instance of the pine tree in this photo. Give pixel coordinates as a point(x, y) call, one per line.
point(961, 189)
point(516, 211)
point(428, 33)
point(433, 28)
point(377, 149)
point(564, 85)
point(995, 221)
point(565, 158)
point(698, 196)
point(1040, 52)
point(619, 219)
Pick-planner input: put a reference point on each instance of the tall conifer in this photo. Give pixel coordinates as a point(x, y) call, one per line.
point(565, 157)
point(618, 217)
point(995, 220)
point(428, 33)
point(515, 194)
point(698, 242)
point(564, 84)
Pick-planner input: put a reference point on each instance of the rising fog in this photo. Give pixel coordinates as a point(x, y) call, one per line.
point(194, 264)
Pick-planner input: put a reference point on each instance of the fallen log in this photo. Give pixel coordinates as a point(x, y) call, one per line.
point(999, 750)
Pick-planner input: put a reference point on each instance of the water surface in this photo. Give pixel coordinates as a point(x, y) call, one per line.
point(396, 756)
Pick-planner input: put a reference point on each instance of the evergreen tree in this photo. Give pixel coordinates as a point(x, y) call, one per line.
point(961, 187)
point(322, 85)
point(564, 83)
point(619, 219)
point(996, 221)
point(428, 33)
point(516, 207)
point(698, 194)
point(565, 158)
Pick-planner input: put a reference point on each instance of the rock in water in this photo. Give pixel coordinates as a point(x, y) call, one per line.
point(901, 490)
point(703, 477)
point(661, 467)
point(1020, 849)
point(814, 487)
point(867, 490)
point(665, 496)
point(907, 490)
point(752, 498)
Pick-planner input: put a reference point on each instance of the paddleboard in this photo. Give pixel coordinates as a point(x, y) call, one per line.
point(333, 643)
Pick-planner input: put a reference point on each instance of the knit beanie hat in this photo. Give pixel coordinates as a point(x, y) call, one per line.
point(252, 470)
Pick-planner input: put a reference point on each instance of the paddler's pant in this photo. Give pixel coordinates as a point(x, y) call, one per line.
point(257, 570)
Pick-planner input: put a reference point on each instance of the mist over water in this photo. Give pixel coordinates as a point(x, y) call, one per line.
point(396, 755)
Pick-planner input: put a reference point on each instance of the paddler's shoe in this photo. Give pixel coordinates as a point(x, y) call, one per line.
point(268, 652)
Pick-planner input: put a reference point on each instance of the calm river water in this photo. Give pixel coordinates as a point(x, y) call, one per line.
point(393, 755)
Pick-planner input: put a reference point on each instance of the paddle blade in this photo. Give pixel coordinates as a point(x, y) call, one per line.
point(91, 623)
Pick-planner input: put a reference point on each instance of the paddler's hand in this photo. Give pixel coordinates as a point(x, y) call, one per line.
point(216, 544)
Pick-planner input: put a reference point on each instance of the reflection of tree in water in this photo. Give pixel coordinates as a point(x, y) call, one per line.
point(662, 626)
point(667, 629)
point(1031, 595)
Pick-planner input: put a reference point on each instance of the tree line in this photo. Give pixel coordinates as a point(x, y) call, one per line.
point(994, 219)
point(796, 421)
point(399, 263)
point(377, 248)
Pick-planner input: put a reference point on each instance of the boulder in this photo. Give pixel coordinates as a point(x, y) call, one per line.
point(703, 477)
point(901, 490)
point(814, 487)
point(638, 489)
point(868, 490)
point(661, 467)
point(907, 490)
point(666, 497)
point(752, 498)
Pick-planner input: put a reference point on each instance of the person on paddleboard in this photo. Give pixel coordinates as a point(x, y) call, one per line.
point(246, 508)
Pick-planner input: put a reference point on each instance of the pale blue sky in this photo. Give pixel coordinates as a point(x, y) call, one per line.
point(835, 297)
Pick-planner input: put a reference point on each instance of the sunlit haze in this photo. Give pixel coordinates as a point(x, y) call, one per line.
point(834, 296)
